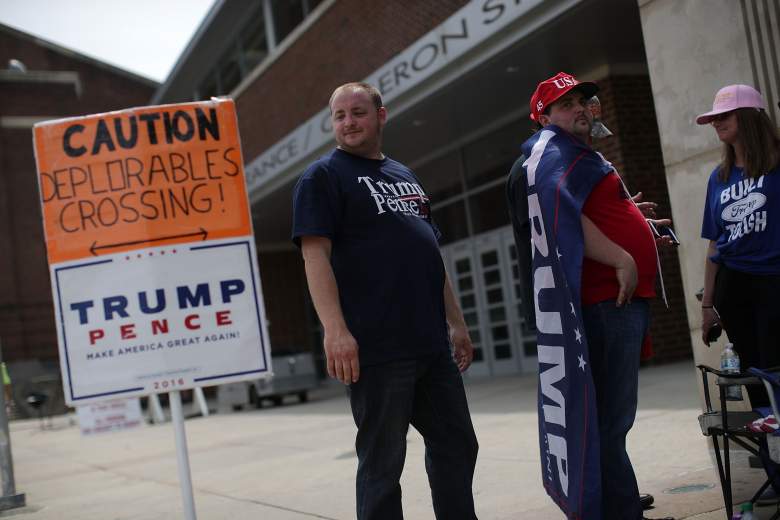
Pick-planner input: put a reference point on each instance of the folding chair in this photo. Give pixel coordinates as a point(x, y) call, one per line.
point(771, 381)
point(731, 427)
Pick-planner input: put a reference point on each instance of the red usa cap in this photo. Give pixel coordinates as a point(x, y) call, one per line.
point(549, 90)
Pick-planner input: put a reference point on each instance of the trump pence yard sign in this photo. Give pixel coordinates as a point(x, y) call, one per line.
point(151, 253)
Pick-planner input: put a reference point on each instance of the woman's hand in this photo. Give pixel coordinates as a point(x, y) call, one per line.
point(709, 318)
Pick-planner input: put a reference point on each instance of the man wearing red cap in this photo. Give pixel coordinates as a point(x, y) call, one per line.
point(594, 267)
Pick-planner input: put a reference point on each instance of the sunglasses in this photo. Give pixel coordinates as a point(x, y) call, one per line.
point(720, 117)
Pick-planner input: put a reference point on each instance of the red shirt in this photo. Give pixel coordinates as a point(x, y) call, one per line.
point(611, 209)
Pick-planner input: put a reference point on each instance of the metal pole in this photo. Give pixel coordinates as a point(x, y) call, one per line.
point(185, 481)
point(158, 416)
point(10, 498)
point(201, 399)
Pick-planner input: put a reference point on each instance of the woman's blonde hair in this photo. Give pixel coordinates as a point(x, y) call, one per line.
point(760, 142)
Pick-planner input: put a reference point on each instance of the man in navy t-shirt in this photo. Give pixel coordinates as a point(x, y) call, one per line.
point(393, 330)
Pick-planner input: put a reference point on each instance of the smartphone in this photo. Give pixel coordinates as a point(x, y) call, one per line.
point(660, 231)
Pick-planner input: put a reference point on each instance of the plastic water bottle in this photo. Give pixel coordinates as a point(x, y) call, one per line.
point(747, 512)
point(729, 363)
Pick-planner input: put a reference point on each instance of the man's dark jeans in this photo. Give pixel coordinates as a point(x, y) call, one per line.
point(428, 394)
point(615, 336)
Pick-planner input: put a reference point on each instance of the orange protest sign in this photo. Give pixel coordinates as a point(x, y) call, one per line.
point(141, 177)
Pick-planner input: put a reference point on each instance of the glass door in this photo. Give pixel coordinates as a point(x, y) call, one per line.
point(485, 278)
point(459, 261)
point(522, 334)
point(499, 340)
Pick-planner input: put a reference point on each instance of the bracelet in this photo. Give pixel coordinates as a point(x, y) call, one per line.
point(706, 306)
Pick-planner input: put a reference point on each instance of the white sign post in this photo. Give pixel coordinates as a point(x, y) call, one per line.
point(185, 481)
point(152, 256)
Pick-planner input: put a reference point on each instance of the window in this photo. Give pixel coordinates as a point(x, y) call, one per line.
point(441, 177)
point(451, 220)
point(309, 5)
point(488, 209)
point(254, 44)
point(208, 86)
point(491, 156)
point(287, 15)
point(230, 71)
point(250, 46)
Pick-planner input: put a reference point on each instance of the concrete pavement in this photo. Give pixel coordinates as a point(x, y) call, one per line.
point(297, 461)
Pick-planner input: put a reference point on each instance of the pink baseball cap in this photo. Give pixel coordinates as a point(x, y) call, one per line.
point(731, 98)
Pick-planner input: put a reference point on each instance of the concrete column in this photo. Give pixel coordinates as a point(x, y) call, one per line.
point(694, 47)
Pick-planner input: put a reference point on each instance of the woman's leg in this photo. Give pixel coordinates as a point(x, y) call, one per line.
point(735, 304)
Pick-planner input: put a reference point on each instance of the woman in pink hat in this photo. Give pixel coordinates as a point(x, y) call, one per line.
point(742, 223)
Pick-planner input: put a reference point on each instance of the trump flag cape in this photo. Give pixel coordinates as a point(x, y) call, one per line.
point(560, 173)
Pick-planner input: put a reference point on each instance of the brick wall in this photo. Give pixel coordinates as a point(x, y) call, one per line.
point(338, 48)
point(104, 88)
point(26, 312)
point(635, 150)
point(286, 307)
point(27, 328)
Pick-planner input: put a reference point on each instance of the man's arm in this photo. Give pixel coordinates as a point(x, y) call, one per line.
point(463, 350)
point(341, 349)
point(603, 250)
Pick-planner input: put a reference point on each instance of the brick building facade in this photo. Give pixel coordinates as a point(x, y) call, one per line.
point(458, 114)
point(467, 116)
point(349, 41)
point(48, 82)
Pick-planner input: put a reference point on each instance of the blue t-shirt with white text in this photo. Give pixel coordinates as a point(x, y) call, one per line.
point(742, 216)
point(385, 252)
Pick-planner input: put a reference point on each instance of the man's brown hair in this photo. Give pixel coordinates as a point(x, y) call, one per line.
point(372, 91)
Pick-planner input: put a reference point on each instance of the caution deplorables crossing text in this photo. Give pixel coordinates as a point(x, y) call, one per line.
point(137, 167)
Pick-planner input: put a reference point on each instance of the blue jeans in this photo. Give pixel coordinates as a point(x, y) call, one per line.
point(427, 393)
point(615, 336)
